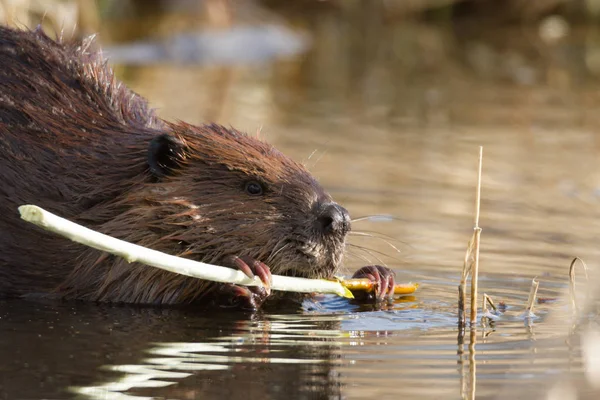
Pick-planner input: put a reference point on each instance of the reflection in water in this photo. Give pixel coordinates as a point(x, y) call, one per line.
point(304, 352)
point(124, 352)
point(323, 362)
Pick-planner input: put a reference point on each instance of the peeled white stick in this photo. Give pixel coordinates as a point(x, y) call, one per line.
point(183, 266)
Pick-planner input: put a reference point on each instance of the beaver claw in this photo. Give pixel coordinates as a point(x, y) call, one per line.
point(384, 279)
point(253, 268)
point(247, 297)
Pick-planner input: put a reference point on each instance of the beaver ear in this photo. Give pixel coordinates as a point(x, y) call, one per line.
point(164, 154)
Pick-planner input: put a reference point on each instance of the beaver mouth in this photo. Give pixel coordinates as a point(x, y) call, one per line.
point(306, 259)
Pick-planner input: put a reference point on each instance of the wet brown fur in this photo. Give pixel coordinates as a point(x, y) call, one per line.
point(75, 141)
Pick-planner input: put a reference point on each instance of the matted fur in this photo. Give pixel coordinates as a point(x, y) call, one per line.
point(74, 140)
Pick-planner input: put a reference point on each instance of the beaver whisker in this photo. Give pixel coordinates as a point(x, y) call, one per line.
point(377, 218)
point(318, 159)
point(279, 247)
point(364, 234)
point(375, 251)
point(360, 257)
point(312, 154)
point(371, 252)
point(376, 234)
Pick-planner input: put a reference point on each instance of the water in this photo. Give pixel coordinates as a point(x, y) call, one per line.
point(389, 117)
point(59, 350)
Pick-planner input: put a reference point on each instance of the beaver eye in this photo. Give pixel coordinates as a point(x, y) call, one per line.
point(253, 188)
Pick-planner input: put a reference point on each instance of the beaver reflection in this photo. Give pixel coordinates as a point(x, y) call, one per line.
point(77, 142)
point(53, 349)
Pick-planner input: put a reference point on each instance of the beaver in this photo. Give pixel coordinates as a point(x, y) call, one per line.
point(77, 142)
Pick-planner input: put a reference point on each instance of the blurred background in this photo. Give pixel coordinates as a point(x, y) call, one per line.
point(387, 103)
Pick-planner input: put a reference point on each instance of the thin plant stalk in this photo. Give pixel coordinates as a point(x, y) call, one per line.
point(572, 291)
point(462, 292)
point(475, 276)
point(462, 314)
point(485, 317)
point(471, 261)
point(476, 240)
point(532, 296)
point(488, 300)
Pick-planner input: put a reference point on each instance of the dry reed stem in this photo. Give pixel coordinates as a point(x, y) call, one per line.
point(461, 307)
point(484, 311)
point(476, 240)
point(478, 198)
point(475, 276)
point(532, 296)
point(574, 304)
point(485, 314)
point(462, 298)
point(471, 261)
point(471, 264)
point(488, 300)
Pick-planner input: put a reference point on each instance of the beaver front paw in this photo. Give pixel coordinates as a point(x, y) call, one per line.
point(246, 297)
point(384, 280)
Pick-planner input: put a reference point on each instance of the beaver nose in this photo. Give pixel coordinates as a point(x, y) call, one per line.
point(333, 219)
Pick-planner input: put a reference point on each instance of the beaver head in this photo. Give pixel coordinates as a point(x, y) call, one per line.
point(215, 192)
point(220, 192)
